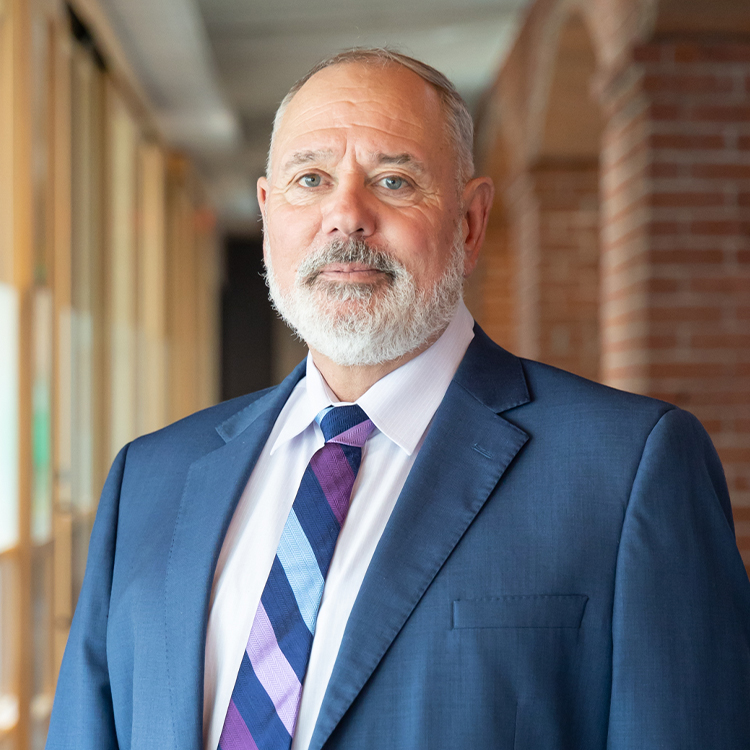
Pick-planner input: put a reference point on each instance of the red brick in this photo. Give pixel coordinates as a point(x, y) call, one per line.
point(712, 425)
point(725, 228)
point(720, 341)
point(710, 257)
point(662, 169)
point(721, 113)
point(661, 342)
point(735, 455)
point(721, 171)
point(643, 342)
point(647, 53)
point(743, 142)
point(665, 227)
point(686, 141)
point(688, 84)
point(686, 200)
point(686, 369)
point(658, 111)
point(743, 257)
point(685, 314)
point(727, 285)
point(724, 52)
point(663, 286)
point(725, 398)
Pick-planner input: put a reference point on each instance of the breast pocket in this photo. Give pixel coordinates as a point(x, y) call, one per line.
point(520, 611)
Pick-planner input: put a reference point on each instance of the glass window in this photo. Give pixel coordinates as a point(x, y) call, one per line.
point(8, 417)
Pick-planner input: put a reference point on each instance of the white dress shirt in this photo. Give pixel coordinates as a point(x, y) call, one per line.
point(401, 405)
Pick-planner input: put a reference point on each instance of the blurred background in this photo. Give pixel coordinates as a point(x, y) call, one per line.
point(131, 136)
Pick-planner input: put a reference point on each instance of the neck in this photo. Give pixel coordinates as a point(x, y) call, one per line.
point(349, 383)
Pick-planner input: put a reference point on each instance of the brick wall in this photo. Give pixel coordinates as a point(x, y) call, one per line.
point(497, 308)
point(567, 196)
point(671, 83)
point(550, 258)
point(676, 241)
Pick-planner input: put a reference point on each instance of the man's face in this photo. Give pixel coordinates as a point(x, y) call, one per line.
point(362, 154)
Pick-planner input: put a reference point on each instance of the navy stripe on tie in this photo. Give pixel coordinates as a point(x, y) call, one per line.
point(294, 639)
point(257, 709)
point(353, 456)
point(316, 518)
point(340, 419)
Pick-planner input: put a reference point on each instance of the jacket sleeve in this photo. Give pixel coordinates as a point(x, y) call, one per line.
point(681, 617)
point(82, 714)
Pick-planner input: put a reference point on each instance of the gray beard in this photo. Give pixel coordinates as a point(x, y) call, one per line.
point(366, 324)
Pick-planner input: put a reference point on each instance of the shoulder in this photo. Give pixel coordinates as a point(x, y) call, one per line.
point(188, 438)
point(553, 389)
point(576, 417)
point(531, 391)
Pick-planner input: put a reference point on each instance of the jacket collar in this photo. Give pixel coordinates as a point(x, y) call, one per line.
point(273, 399)
point(492, 375)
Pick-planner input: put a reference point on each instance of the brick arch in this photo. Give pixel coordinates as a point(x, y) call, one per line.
point(571, 121)
point(540, 273)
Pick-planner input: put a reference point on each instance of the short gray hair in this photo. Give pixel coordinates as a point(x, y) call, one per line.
point(459, 124)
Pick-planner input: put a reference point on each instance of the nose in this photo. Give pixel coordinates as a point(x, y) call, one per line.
point(348, 210)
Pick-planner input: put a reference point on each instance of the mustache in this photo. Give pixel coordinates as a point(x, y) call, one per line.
point(348, 251)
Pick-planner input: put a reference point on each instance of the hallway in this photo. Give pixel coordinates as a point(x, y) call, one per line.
point(132, 132)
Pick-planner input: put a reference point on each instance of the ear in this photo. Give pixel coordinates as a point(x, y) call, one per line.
point(262, 190)
point(477, 200)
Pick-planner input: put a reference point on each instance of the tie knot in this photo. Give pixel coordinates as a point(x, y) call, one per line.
point(348, 425)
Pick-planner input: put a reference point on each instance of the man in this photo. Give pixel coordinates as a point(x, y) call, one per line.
point(523, 559)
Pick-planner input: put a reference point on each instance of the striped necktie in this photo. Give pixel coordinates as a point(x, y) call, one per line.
point(265, 701)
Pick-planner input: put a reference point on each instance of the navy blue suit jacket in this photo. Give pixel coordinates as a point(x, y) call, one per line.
point(559, 572)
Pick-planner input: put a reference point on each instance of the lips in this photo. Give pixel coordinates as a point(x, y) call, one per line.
point(349, 268)
point(352, 260)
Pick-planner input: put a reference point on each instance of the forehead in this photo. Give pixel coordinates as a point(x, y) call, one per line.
point(376, 108)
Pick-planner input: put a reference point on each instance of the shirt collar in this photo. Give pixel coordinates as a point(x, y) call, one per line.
point(401, 404)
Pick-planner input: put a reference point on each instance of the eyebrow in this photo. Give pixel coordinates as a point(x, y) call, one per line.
point(402, 160)
point(300, 158)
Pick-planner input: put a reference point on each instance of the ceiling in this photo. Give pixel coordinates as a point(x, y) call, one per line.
point(215, 70)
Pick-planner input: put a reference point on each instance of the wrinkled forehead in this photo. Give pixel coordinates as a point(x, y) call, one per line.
point(383, 104)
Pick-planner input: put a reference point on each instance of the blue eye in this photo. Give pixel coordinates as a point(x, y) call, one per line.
point(393, 183)
point(310, 180)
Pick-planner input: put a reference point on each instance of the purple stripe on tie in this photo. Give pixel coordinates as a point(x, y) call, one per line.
point(235, 735)
point(356, 436)
point(336, 478)
point(273, 670)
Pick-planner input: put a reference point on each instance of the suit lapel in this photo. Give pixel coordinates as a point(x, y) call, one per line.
point(212, 489)
point(467, 450)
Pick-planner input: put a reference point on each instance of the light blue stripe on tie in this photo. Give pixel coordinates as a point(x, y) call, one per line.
point(298, 560)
